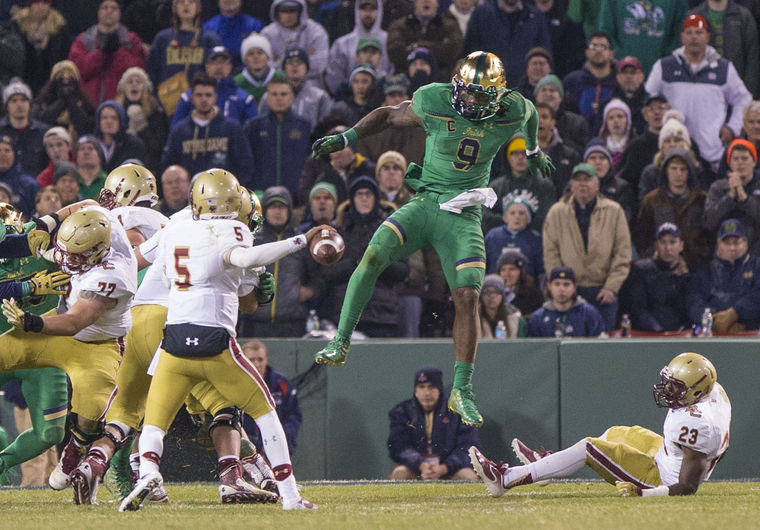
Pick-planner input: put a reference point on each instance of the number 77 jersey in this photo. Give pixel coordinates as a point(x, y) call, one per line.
point(703, 427)
point(204, 289)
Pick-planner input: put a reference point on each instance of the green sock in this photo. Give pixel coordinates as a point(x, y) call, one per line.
point(463, 374)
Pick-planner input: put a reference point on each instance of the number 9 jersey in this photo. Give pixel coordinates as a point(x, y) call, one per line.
point(703, 427)
point(204, 288)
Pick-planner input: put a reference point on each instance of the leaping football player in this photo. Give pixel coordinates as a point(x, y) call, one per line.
point(636, 460)
point(466, 122)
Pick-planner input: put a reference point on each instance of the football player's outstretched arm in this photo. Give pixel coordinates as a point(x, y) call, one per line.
point(263, 255)
point(375, 122)
point(86, 311)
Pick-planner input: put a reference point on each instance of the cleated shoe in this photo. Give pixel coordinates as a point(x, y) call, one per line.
point(159, 495)
point(70, 457)
point(335, 352)
point(526, 455)
point(462, 402)
point(490, 473)
point(259, 472)
point(85, 478)
point(145, 486)
point(240, 492)
point(300, 504)
point(118, 483)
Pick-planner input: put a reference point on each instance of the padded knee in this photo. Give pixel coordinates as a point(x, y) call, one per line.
point(85, 439)
point(229, 416)
point(124, 433)
point(52, 432)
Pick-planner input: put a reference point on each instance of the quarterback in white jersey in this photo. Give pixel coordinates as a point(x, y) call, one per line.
point(204, 261)
point(636, 460)
point(85, 338)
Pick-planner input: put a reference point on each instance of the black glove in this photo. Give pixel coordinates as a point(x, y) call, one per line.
point(110, 42)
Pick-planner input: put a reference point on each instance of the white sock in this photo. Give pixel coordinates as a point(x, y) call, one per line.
point(151, 446)
point(276, 449)
point(561, 464)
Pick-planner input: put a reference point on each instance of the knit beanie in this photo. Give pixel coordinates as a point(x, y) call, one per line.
point(671, 128)
point(60, 66)
point(550, 79)
point(616, 103)
point(429, 374)
point(390, 156)
point(254, 40)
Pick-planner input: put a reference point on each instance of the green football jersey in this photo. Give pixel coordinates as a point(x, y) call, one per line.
point(20, 269)
point(459, 152)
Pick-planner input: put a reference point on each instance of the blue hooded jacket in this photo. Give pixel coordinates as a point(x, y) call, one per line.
point(234, 102)
point(24, 188)
point(581, 320)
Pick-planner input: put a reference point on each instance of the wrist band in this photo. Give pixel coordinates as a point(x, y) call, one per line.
point(26, 289)
point(350, 136)
point(33, 322)
point(532, 152)
point(299, 241)
point(659, 491)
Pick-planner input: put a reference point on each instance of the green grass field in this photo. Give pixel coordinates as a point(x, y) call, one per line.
point(434, 506)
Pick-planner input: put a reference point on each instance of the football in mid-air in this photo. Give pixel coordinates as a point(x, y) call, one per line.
point(327, 247)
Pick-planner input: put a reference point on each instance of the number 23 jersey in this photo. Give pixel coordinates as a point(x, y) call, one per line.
point(703, 427)
point(203, 288)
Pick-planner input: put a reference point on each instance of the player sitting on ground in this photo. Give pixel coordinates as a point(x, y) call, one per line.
point(638, 461)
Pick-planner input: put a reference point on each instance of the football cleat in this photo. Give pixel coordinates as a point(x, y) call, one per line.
point(259, 472)
point(490, 473)
point(119, 481)
point(300, 504)
point(145, 486)
point(335, 352)
point(462, 402)
point(159, 495)
point(526, 455)
point(70, 457)
point(241, 492)
point(85, 478)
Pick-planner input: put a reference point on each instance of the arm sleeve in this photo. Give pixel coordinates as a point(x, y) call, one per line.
point(738, 97)
point(15, 246)
point(259, 255)
point(621, 255)
point(530, 126)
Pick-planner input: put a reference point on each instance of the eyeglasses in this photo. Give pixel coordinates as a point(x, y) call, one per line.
point(598, 47)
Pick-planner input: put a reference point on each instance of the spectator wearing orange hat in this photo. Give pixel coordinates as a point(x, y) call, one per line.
point(738, 195)
point(694, 78)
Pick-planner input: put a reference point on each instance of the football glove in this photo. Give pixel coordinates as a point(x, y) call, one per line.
point(48, 283)
point(38, 241)
point(627, 489)
point(13, 313)
point(540, 161)
point(265, 290)
point(328, 144)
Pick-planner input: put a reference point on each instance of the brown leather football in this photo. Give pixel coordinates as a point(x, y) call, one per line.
point(327, 247)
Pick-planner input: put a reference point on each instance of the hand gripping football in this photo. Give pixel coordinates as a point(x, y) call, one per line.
point(327, 247)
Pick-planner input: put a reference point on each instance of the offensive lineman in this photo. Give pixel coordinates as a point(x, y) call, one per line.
point(86, 338)
point(205, 259)
point(638, 461)
point(466, 123)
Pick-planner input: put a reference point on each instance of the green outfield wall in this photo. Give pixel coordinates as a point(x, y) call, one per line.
point(545, 392)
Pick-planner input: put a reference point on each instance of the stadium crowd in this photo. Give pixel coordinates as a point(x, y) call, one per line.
point(650, 114)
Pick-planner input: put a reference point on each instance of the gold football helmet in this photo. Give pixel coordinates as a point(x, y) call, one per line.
point(215, 194)
point(128, 185)
point(82, 241)
point(478, 85)
point(251, 212)
point(11, 218)
point(688, 378)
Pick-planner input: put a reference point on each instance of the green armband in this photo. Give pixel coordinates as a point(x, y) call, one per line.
point(26, 290)
point(351, 136)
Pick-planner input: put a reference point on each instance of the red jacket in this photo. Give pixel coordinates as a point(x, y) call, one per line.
point(101, 72)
